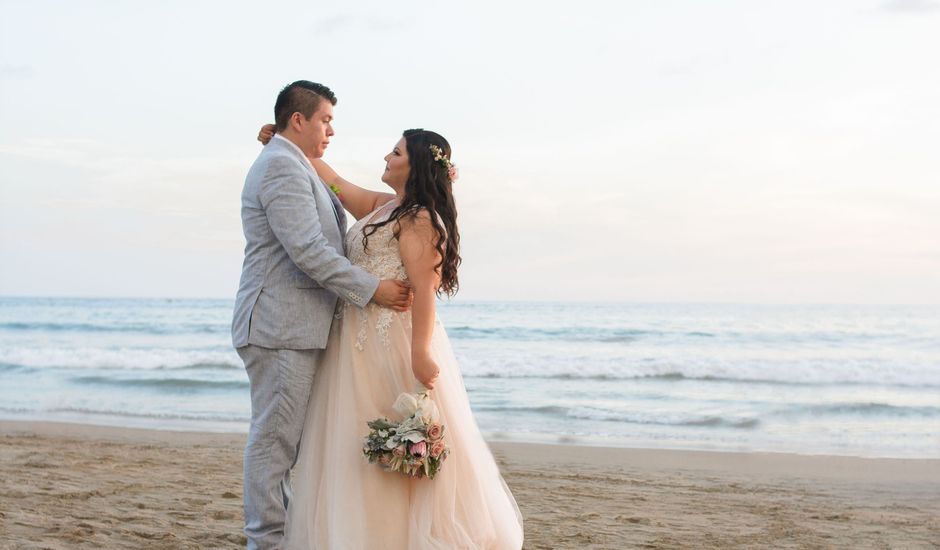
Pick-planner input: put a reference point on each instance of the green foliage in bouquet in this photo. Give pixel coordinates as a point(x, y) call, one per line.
point(415, 446)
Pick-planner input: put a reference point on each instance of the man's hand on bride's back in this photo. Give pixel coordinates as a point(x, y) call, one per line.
point(266, 133)
point(392, 294)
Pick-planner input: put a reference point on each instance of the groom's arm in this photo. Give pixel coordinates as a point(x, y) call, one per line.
point(291, 210)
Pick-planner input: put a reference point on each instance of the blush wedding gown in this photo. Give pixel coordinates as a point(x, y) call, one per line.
point(341, 501)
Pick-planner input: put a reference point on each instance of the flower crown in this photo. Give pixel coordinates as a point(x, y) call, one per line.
point(445, 162)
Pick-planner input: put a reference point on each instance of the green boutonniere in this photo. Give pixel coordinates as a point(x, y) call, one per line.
point(335, 190)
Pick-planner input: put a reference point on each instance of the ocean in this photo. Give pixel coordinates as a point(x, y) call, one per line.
point(843, 380)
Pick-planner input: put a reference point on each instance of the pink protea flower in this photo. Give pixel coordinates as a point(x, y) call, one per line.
point(418, 449)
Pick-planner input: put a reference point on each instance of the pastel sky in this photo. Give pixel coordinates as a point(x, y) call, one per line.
point(668, 151)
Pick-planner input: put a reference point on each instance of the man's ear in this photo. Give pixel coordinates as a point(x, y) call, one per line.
point(295, 120)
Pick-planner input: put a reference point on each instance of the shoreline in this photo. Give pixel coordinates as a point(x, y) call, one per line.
point(498, 438)
point(69, 485)
point(756, 462)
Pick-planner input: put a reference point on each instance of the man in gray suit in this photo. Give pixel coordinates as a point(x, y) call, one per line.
point(294, 271)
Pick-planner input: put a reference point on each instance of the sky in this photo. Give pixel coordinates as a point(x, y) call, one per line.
point(669, 151)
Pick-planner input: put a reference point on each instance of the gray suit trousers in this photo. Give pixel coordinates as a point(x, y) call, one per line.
point(281, 381)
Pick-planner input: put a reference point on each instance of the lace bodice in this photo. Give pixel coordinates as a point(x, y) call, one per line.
point(381, 259)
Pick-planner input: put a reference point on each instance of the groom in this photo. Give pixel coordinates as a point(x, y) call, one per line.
point(294, 270)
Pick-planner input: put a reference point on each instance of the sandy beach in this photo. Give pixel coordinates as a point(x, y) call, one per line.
point(78, 486)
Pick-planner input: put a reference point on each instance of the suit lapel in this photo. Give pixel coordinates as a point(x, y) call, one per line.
point(338, 212)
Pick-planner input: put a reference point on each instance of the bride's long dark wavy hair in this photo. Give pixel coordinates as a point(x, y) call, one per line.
point(429, 187)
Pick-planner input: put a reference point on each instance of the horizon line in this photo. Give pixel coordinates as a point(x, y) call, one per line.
point(499, 301)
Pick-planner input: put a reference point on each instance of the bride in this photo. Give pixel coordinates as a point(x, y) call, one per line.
point(373, 355)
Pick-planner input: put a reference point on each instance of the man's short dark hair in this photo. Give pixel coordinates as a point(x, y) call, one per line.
point(301, 97)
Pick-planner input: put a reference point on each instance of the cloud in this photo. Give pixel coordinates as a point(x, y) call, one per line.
point(679, 67)
point(104, 177)
point(16, 71)
point(336, 24)
point(911, 6)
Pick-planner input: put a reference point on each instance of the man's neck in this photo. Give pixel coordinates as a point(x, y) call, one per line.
point(299, 150)
point(292, 137)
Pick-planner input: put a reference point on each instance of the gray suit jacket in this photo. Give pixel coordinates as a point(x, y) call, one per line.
point(294, 265)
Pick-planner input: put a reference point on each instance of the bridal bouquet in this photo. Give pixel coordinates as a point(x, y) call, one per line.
point(414, 446)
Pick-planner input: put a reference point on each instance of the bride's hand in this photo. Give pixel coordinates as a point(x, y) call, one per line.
point(266, 133)
point(425, 369)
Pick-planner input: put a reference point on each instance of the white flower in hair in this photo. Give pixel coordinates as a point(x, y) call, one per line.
point(440, 157)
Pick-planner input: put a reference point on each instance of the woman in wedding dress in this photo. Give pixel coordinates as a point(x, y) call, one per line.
point(341, 501)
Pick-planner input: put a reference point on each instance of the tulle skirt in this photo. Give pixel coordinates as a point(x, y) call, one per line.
point(340, 501)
